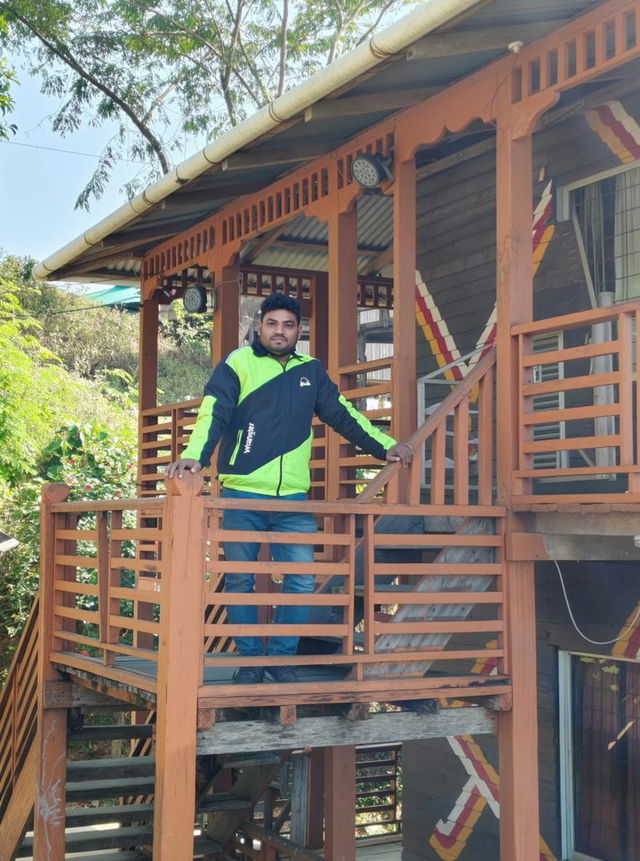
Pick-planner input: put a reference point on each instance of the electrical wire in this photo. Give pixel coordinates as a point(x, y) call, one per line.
point(620, 636)
point(66, 151)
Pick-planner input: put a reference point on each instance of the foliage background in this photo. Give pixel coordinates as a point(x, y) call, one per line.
point(68, 411)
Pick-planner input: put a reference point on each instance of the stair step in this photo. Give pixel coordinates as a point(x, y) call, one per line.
point(94, 839)
point(92, 790)
point(111, 856)
point(120, 766)
point(83, 816)
point(116, 731)
point(250, 760)
point(223, 801)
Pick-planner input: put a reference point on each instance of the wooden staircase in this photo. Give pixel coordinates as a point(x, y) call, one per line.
point(109, 801)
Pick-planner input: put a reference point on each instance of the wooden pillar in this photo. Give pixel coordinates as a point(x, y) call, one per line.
point(179, 669)
point(226, 315)
point(315, 824)
point(319, 325)
point(340, 803)
point(342, 318)
point(404, 300)
point(517, 729)
point(49, 809)
point(147, 396)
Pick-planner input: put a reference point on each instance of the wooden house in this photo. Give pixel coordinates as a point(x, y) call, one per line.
point(456, 204)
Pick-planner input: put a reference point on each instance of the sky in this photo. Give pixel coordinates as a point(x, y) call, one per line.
point(41, 175)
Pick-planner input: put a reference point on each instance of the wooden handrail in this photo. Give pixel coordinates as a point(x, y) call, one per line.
point(18, 707)
point(456, 397)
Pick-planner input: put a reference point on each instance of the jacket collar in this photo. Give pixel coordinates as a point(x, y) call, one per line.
point(259, 350)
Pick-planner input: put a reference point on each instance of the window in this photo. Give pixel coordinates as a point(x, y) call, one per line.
point(600, 750)
point(606, 215)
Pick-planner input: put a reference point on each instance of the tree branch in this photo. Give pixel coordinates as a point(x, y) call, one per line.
point(58, 51)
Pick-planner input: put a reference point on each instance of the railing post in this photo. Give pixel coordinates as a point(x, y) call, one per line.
point(403, 370)
point(179, 669)
point(49, 809)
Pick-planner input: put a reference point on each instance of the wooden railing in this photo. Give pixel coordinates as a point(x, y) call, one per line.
point(112, 577)
point(105, 580)
point(111, 570)
point(18, 709)
point(456, 439)
point(165, 431)
point(578, 413)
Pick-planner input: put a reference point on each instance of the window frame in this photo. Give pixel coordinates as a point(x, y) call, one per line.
point(566, 211)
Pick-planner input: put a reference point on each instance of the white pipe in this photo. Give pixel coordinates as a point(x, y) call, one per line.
point(427, 17)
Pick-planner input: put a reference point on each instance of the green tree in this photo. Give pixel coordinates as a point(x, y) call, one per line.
point(7, 78)
point(55, 425)
point(179, 72)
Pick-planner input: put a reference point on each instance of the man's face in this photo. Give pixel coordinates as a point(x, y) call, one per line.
point(279, 332)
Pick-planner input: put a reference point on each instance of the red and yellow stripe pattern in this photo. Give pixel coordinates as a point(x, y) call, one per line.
point(434, 327)
point(615, 126)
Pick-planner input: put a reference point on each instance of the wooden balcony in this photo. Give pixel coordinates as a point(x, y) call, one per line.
point(123, 587)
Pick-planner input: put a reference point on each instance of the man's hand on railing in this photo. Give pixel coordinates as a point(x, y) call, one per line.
point(402, 452)
point(179, 467)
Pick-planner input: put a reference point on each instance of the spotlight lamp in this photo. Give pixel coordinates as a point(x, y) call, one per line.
point(370, 170)
point(194, 299)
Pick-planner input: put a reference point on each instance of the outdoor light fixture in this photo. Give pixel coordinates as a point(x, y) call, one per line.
point(371, 169)
point(194, 299)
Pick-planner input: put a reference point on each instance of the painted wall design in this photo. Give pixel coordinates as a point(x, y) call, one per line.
point(615, 126)
point(434, 327)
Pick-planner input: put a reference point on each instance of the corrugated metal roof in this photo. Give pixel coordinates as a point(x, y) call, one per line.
point(216, 187)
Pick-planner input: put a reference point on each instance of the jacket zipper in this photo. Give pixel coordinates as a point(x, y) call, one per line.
point(284, 368)
point(234, 454)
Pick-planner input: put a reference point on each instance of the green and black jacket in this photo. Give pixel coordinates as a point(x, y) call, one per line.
point(260, 412)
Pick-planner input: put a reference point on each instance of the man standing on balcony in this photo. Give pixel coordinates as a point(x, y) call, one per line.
point(259, 405)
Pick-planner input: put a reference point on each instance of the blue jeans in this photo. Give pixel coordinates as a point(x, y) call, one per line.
point(236, 551)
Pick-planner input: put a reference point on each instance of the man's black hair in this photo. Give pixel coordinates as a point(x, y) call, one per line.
point(280, 302)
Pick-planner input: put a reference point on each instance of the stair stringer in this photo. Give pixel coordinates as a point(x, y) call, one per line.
point(251, 783)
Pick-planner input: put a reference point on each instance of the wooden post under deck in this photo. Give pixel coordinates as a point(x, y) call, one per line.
point(340, 803)
point(179, 670)
point(517, 729)
point(342, 318)
point(404, 302)
point(49, 808)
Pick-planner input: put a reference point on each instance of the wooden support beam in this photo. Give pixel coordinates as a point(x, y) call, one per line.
point(282, 155)
point(300, 798)
point(224, 332)
point(260, 244)
point(403, 368)
point(342, 318)
point(339, 803)
point(384, 728)
point(315, 820)
point(374, 103)
point(470, 41)
point(179, 670)
point(288, 848)
point(51, 744)
point(517, 729)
